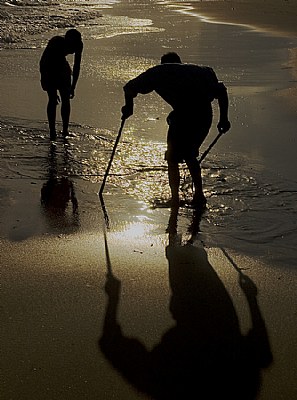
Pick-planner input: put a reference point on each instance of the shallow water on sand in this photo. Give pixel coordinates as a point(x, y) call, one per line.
point(244, 211)
point(249, 176)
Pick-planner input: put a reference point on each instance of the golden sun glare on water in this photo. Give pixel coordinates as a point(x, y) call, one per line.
point(136, 230)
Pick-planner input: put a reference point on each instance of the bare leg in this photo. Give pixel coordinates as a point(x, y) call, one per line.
point(51, 112)
point(195, 171)
point(174, 180)
point(65, 111)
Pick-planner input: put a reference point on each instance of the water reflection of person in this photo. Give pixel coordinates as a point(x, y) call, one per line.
point(204, 355)
point(57, 194)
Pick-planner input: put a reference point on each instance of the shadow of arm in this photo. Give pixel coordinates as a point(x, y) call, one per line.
point(258, 335)
point(127, 355)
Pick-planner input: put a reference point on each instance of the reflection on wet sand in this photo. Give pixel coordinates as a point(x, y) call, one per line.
point(57, 193)
point(204, 354)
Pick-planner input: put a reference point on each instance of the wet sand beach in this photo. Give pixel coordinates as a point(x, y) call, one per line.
point(144, 310)
point(265, 15)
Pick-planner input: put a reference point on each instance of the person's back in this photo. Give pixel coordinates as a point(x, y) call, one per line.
point(182, 86)
point(54, 53)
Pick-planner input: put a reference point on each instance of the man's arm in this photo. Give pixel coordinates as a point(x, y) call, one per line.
point(76, 71)
point(143, 83)
point(127, 355)
point(222, 96)
point(127, 109)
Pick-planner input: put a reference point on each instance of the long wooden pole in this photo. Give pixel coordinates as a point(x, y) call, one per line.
point(111, 158)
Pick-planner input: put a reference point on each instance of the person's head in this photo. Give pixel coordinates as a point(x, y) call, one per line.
point(170, 57)
point(73, 40)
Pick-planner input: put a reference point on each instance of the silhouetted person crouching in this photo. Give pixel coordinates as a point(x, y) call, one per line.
point(189, 89)
point(56, 76)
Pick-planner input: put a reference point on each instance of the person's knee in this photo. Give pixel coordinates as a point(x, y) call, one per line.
point(65, 96)
point(52, 97)
point(172, 166)
point(192, 163)
point(65, 103)
point(52, 103)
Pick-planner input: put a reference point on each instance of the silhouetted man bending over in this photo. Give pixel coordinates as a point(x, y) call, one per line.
point(189, 89)
point(56, 75)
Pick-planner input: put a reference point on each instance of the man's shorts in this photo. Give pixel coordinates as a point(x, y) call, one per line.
point(57, 78)
point(186, 133)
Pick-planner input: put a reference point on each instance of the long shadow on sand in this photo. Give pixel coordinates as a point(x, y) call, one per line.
point(204, 355)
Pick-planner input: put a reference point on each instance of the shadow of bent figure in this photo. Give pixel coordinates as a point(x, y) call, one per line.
point(204, 355)
point(56, 195)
